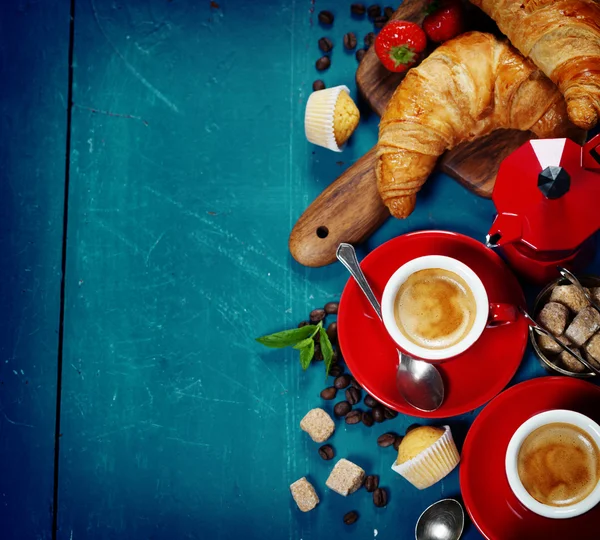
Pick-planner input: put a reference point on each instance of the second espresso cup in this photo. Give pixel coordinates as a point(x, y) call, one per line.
point(476, 298)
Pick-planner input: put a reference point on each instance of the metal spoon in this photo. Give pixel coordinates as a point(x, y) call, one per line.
point(443, 520)
point(571, 277)
point(541, 330)
point(419, 383)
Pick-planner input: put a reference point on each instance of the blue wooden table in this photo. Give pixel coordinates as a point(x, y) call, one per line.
point(147, 190)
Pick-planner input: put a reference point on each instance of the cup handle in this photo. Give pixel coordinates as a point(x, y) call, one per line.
point(501, 314)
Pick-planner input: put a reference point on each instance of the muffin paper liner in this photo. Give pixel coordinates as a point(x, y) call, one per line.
point(319, 116)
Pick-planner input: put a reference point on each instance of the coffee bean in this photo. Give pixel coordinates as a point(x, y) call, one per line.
point(343, 381)
point(374, 11)
point(332, 332)
point(318, 354)
point(353, 417)
point(342, 408)
point(336, 357)
point(385, 440)
point(317, 315)
point(377, 413)
point(371, 483)
point(325, 44)
point(367, 418)
point(353, 395)
point(380, 497)
point(389, 413)
point(329, 393)
point(360, 54)
point(370, 401)
point(380, 22)
point(331, 308)
point(388, 11)
point(336, 370)
point(351, 517)
point(358, 9)
point(350, 41)
point(355, 384)
point(411, 427)
point(322, 64)
point(397, 442)
point(304, 323)
point(326, 452)
point(318, 85)
point(326, 17)
point(369, 39)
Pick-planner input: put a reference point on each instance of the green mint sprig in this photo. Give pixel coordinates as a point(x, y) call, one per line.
point(302, 339)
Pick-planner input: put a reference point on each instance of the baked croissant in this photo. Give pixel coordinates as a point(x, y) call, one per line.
point(562, 37)
point(465, 89)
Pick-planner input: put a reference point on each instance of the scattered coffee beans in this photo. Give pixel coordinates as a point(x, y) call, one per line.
point(374, 11)
point(385, 440)
point(329, 393)
point(380, 497)
point(353, 395)
point(351, 517)
point(343, 381)
point(397, 442)
point(378, 414)
point(326, 452)
point(360, 54)
point(389, 413)
point(317, 315)
point(336, 370)
point(354, 417)
point(342, 409)
point(326, 17)
point(355, 384)
point(370, 401)
point(350, 41)
point(358, 9)
point(317, 85)
point(325, 44)
point(304, 323)
point(332, 332)
point(380, 22)
point(371, 483)
point(369, 39)
point(331, 308)
point(388, 11)
point(367, 419)
point(322, 64)
point(318, 354)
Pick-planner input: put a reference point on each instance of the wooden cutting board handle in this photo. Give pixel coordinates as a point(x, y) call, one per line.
point(349, 210)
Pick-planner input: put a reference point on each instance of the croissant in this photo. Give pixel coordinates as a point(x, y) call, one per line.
point(562, 37)
point(465, 89)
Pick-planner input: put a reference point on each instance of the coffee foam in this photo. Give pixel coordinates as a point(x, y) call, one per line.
point(435, 308)
point(559, 464)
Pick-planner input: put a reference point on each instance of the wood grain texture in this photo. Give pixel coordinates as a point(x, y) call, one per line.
point(33, 71)
point(349, 210)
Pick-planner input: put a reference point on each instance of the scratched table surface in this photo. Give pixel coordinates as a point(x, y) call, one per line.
point(152, 164)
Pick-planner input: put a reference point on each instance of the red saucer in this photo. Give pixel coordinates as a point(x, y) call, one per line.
point(494, 509)
point(472, 378)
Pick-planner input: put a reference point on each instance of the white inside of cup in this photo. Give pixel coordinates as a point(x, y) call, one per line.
point(512, 454)
point(445, 263)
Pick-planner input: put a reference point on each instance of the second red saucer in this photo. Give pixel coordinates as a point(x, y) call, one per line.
point(472, 378)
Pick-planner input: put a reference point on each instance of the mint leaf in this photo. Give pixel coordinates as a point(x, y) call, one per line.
point(288, 337)
point(326, 349)
point(307, 353)
point(304, 343)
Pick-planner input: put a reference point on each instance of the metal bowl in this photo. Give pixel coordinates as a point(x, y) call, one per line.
point(541, 300)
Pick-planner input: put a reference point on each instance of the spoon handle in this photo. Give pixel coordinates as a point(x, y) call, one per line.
point(347, 256)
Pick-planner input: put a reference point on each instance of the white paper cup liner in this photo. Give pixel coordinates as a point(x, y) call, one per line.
point(319, 116)
point(431, 465)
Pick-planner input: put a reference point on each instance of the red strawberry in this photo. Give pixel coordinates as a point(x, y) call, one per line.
point(399, 45)
point(445, 20)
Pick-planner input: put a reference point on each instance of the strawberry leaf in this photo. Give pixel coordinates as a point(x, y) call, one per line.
point(402, 55)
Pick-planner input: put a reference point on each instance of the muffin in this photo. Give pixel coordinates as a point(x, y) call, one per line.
point(331, 117)
point(426, 455)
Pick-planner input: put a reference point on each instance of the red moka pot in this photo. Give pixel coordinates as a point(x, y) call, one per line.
point(547, 196)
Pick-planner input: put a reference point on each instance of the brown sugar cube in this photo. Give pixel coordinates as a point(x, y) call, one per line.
point(570, 296)
point(584, 326)
point(592, 350)
point(548, 345)
point(595, 294)
point(318, 424)
point(304, 494)
point(570, 363)
point(553, 317)
point(345, 478)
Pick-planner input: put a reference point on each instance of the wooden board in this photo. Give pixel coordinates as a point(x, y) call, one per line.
point(474, 165)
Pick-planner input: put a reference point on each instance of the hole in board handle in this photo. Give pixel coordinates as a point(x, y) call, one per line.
point(322, 232)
